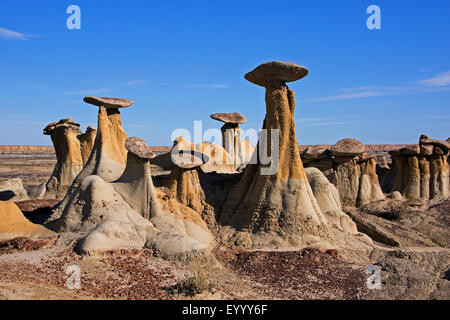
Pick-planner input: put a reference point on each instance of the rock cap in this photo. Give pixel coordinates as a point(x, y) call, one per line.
point(233, 117)
point(109, 103)
point(315, 153)
point(444, 145)
point(407, 151)
point(139, 148)
point(188, 159)
point(347, 147)
point(67, 122)
point(276, 70)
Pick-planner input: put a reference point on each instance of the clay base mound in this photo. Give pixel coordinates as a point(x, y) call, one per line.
point(403, 224)
point(13, 224)
point(104, 221)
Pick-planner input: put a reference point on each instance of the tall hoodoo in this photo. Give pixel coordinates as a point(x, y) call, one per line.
point(279, 208)
point(186, 186)
point(231, 137)
point(135, 185)
point(69, 160)
point(108, 157)
point(423, 171)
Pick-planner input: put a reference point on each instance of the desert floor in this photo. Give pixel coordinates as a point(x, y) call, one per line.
point(417, 267)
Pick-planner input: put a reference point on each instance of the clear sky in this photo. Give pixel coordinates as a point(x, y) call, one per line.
point(183, 60)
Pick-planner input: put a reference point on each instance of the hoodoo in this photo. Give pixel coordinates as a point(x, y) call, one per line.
point(278, 208)
point(108, 156)
point(422, 171)
point(239, 150)
point(185, 183)
point(349, 168)
point(69, 161)
point(136, 185)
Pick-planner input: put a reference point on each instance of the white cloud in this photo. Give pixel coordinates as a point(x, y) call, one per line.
point(303, 120)
point(135, 83)
point(321, 122)
point(441, 80)
point(10, 34)
point(439, 83)
point(215, 86)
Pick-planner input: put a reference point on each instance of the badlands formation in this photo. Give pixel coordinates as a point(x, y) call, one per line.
point(116, 194)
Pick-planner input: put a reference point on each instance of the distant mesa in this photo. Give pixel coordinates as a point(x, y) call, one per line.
point(110, 103)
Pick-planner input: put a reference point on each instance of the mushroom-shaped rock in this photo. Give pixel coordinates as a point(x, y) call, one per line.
point(352, 171)
point(109, 103)
point(263, 207)
point(239, 150)
point(276, 70)
point(87, 141)
point(107, 159)
point(117, 214)
point(216, 158)
point(347, 148)
point(69, 160)
point(13, 224)
point(422, 171)
point(136, 185)
point(184, 183)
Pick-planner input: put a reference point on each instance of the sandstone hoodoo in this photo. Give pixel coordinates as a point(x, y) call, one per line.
point(239, 150)
point(422, 171)
point(108, 157)
point(350, 169)
point(135, 185)
point(278, 208)
point(69, 161)
point(87, 141)
point(185, 183)
point(127, 212)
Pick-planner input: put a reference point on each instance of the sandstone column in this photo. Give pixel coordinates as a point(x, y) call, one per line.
point(231, 136)
point(281, 207)
point(69, 160)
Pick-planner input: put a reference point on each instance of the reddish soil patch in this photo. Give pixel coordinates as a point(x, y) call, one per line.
point(23, 244)
point(306, 274)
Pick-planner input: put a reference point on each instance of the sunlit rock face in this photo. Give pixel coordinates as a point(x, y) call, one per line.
point(422, 171)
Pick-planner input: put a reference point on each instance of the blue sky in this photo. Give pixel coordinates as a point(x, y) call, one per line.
point(183, 60)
